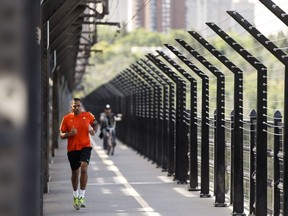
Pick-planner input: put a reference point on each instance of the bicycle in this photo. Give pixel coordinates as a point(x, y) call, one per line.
point(110, 146)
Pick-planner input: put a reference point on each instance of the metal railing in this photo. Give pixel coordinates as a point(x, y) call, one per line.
point(241, 162)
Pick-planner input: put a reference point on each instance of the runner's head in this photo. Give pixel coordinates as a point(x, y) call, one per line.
point(76, 106)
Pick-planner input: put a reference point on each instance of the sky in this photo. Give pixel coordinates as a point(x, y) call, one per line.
point(265, 20)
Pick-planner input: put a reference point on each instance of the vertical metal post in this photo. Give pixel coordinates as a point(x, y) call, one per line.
point(261, 132)
point(205, 138)
point(261, 120)
point(45, 107)
point(252, 180)
point(158, 141)
point(282, 15)
point(165, 117)
point(220, 133)
point(204, 122)
point(29, 153)
point(55, 112)
point(181, 145)
point(171, 119)
point(277, 133)
point(285, 146)
point(237, 198)
point(232, 177)
point(130, 75)
point(215, 150)
point(193, 124)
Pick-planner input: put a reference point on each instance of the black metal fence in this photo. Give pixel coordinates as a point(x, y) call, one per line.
point(166, 106)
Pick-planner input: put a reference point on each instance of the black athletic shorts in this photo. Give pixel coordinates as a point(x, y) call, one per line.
point(76, 157)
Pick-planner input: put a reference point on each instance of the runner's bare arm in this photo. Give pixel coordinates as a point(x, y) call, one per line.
point(95, 127)
point(65, 135)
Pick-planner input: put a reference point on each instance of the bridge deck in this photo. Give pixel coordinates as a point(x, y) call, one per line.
point(123, 184)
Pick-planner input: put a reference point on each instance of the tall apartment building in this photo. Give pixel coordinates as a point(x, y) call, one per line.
point(202, 11)
point(163, 15)
point(159, 15)
point(153, 15)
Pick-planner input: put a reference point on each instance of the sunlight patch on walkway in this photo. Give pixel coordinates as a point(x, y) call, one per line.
point(165, 179)
point(105, 191)
point(112, 168)
point(185, 192)
point(107, 162)
point(94, 168)
point(100, 180)
point(120, 179)
point(123, 147)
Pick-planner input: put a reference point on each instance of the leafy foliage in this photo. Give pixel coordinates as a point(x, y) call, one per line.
point(122, 49)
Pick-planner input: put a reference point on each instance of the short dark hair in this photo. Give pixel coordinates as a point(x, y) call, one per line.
point(76, 99)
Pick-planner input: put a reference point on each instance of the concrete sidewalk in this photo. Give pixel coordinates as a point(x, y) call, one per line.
point(123, 184)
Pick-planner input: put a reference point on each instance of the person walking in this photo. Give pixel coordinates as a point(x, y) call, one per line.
point(76, 127)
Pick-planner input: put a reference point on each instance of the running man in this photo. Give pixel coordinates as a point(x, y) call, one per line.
point(76, 127)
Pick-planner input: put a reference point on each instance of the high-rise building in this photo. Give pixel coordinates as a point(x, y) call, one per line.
point(160, 15)
point(164, 15)
point(201, 11)
point(178, 14)
point(121, 11)
point(153, 15)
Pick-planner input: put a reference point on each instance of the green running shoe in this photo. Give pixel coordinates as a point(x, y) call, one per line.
point(76, 204)
point(82, 202)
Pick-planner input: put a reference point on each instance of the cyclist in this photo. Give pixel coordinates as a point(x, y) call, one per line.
point(108, 122)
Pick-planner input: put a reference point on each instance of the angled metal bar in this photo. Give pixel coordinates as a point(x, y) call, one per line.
point(268, 44)
point(58, 26)
point(276, 10)
point(64, 37)
point(54, 8)
point(108, 23)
